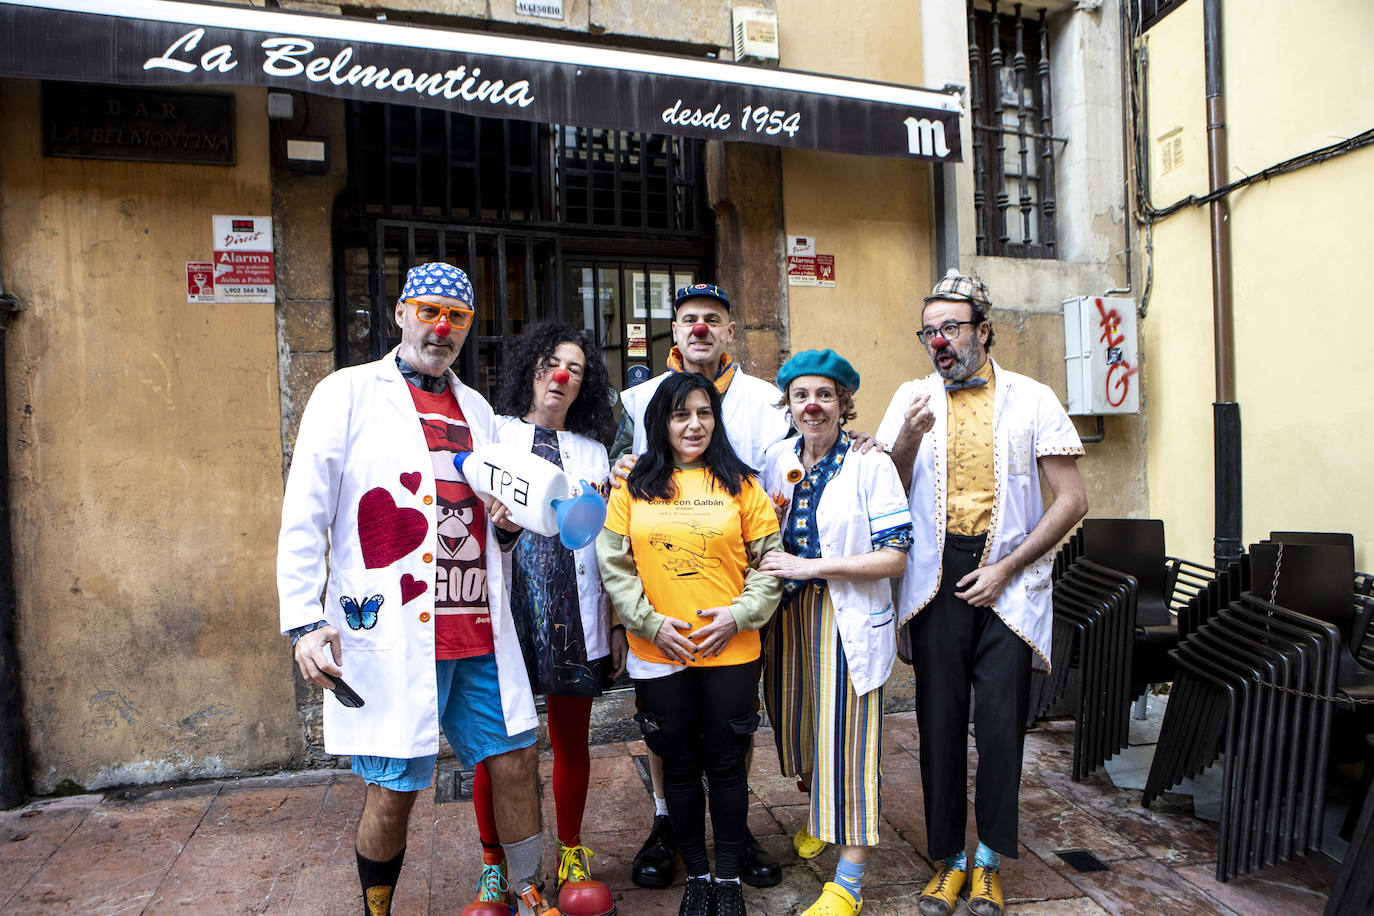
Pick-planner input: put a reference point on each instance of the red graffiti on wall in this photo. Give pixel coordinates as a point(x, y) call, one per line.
point(1119, 369)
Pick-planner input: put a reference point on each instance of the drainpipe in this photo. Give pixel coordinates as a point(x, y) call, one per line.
point(1225, 411)
point(11, 723)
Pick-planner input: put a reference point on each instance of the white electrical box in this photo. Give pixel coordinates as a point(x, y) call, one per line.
point(756, 35)
point(1100, 355)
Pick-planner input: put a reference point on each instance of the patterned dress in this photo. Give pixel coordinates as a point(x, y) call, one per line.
point(544, 604)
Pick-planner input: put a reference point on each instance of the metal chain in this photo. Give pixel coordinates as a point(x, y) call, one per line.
point(1355, 701)
point(1278, 564)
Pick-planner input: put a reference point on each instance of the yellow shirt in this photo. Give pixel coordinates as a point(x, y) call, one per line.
point(968, 506)
point(689, 552)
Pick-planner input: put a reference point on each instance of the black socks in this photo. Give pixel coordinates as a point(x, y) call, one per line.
point(379, 881)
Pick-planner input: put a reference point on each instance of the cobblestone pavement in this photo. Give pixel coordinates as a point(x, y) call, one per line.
point(283, 844)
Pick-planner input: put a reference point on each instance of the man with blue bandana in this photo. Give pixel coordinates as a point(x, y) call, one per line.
point(377, 519)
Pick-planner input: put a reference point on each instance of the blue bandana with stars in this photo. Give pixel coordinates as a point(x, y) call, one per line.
point(437, 279)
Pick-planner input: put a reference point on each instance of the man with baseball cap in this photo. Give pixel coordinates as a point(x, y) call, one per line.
point(970, 441)
point(377, 519)
point(702, 330)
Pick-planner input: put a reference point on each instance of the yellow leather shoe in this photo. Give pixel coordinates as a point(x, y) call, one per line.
point(942, 891)
point(807, 846)
point(985, 893)
point(834, 901)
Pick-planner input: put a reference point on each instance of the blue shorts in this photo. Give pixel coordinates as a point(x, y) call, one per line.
point(470, 715)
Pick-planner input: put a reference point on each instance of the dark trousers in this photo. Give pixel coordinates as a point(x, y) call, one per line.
point(701, 720)
point(955, 647)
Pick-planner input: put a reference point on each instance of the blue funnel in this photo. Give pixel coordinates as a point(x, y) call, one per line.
point(580, 518)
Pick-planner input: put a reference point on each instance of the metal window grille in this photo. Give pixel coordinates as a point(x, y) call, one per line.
point(420, 163)
point(618, 179)
point(1013, 141)
point(1148, 12)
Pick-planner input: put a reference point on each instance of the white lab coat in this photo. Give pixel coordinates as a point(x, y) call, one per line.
point(1029, 423)
point(583, 459)
point(360, 432)
point(750, 415)
point(864, 497)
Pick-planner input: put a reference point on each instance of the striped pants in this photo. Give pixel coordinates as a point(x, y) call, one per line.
point(821, 726)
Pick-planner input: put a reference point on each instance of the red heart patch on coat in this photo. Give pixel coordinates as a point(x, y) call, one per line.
point(411, 481)
point(387, 532)
point(411, 588)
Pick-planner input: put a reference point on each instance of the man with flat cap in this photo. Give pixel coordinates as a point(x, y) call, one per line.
point(408, 559)
point(970, 441)
point(702, 331)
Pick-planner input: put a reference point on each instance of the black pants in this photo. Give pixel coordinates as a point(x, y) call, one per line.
point(956, 646)
point(701, 720)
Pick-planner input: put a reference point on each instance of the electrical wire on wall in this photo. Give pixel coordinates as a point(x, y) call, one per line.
point(1137, 73)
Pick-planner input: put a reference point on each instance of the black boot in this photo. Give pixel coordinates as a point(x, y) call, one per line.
point(697, 898)
point(756, 867)
point(729, 899)
point(657, 859)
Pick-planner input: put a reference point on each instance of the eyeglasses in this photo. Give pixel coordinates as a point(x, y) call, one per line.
point(949, 331)
point(430, 313)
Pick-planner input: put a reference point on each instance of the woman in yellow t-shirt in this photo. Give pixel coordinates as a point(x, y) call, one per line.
point(679, 559)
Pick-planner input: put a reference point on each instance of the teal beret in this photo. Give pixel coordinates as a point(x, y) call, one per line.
point(818, 362)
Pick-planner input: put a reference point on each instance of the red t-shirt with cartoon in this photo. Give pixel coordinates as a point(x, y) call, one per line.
point(462, 617)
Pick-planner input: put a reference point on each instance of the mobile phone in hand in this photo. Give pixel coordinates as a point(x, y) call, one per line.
point(345, 694)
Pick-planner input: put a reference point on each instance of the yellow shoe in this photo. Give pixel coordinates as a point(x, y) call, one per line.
point(834, 901)
point(942, 891)
point(807, 846)
point(578, 894)
point(572, 863)
point(985, 893)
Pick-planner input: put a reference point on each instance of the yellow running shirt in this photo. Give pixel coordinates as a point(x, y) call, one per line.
point(690, 554)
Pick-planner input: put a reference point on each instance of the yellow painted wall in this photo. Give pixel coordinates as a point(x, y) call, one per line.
point(1296, 79)
point(145, 452)
point(872, 213)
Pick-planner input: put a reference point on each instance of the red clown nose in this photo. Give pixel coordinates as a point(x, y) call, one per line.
point(700, 329)
point(442, 328)
point(561, 376)
point(939, 343)
point(813, 408)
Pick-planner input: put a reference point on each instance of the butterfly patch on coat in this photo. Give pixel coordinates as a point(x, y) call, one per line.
point(361, 618)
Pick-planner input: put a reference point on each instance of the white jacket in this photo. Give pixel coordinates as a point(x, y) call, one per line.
point(360, 432)
point(583, 459)
point(866, 496)
point(751, 418)
point(1028, 424)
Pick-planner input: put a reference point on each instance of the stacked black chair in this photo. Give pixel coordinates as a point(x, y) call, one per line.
point(1115, 595)
point(1353, 892)
point(1254, 686)
point(1105, 599)
point(1096, 629)
point(1135, 546)
point(1218, 592)
point(1185, 583)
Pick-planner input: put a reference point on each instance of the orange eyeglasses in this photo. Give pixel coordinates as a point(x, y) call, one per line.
point(430, 313)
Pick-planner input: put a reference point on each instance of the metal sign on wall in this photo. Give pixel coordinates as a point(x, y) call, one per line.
point(170, 43)
point(107, 122)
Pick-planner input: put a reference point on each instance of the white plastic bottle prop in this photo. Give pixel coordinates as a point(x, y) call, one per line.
point(538, 493)
point(784, 472)
point(790, 464)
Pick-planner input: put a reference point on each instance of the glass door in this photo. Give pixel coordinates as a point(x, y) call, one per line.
point(629, 306)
